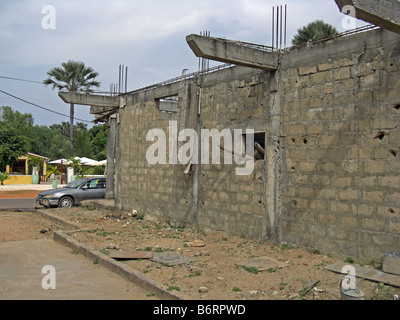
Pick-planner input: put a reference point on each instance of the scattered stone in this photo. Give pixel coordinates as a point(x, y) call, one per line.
point(112, 247)
point(203, 290)
point(202, 253)
point(253, 293)
point(220, 278)
point(195, 243)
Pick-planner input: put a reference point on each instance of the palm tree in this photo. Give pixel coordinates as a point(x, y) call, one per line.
point(314, 31)
point(74, 76)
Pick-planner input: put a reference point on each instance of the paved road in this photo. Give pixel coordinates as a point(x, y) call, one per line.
point(15, 204)
point(76, 278)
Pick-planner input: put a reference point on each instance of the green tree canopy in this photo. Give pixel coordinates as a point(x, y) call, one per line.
point(15, 135)
point(314, 31)
point(19, 135)
point(12, 146)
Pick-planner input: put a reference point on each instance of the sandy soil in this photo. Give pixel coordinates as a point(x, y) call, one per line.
point(218, 270)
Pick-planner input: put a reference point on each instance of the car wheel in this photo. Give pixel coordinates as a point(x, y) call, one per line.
point(66, 202)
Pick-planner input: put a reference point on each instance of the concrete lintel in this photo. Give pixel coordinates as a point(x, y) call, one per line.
point(382, 13)
point(89, 99)
point(234, 52)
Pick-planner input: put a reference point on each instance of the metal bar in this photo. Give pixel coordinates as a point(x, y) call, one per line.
point(277, 27)
point(273, 27)
point(280, 40)
point(126, 80)
point(285, 24)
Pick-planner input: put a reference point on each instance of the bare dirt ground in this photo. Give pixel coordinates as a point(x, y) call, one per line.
point(19, 194)
point(217, 271)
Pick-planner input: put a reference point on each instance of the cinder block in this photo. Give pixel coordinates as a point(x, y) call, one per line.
point(391, 263)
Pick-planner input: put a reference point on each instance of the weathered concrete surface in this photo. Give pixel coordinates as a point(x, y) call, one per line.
point(383, 13)
point(21, 264)
point(232, 52)
point(329, 180)
point(89, 99)
point(367, 273)
point(391, 263)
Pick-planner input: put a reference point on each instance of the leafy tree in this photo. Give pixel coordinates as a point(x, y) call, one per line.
point(83, 145)
point(98, 136)
point(314, 31)
point(12, 146)
point(74, 76)
point(20, 124)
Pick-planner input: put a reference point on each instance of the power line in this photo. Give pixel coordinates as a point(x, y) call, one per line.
point(17, 79)
point(36, 105)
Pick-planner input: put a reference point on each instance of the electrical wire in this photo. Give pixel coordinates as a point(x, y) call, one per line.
point(17, 79)
point(38, 106)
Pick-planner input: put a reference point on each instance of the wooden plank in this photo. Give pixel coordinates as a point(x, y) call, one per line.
point(366, 273)
point(131, 255)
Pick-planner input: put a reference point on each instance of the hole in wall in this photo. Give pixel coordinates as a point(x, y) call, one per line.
point(380, 135)
point(294, 202)
point(397, 106)
point(393, 153)
point(259, 145)
point(391, 210)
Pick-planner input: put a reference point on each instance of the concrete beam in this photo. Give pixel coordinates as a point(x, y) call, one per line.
point(87, 99)
point(382, 13)
point(101, 110)
point(234, 52)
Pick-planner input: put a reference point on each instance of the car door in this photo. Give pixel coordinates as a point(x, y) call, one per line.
point(93, 189)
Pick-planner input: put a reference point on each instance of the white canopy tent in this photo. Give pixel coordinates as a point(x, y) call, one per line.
point(84, 161)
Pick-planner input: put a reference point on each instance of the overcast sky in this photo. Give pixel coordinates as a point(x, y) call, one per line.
point(147, 36)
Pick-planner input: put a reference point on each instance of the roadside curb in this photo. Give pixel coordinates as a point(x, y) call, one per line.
point(123, 270)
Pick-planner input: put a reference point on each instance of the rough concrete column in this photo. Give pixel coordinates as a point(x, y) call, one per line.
point(111, 145)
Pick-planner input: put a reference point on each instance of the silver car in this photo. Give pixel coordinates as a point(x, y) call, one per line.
point(73, 193)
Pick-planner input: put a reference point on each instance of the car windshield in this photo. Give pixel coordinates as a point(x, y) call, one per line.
point(75, 184)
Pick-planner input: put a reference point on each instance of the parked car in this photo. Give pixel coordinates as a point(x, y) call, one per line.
point(73, 193)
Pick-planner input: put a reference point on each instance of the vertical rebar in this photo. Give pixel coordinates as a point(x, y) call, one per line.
point(126, 80)
point(277, 27)
point(285, 23)
point(273, 28)
point(280, 32)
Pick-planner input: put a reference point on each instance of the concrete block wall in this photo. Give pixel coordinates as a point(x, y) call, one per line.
point(330, 179)
point(341, 126)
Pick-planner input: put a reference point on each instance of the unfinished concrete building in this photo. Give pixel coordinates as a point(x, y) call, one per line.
point(326, 115)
